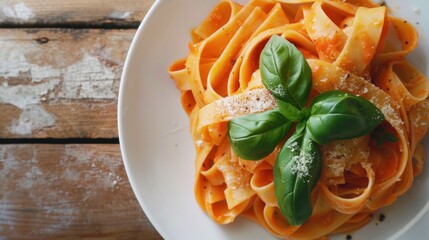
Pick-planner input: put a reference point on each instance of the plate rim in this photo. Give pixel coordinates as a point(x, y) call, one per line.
point(121, 112)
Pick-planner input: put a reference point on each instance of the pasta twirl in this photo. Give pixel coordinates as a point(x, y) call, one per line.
point(353, 46)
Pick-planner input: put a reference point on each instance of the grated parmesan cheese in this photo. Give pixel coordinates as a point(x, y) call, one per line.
point(419, 121)
point(420, 114)
point(253, 102)
point(336, 158)
point(300, 164)
point(387, 106)
point(390, 113)
point(293, 147)
point(279, 90)
point(354, 87)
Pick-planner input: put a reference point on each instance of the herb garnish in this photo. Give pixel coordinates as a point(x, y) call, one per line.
point(380, 135)
point(331, 116)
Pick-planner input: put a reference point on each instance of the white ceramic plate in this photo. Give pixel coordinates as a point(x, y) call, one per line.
point(158, 152)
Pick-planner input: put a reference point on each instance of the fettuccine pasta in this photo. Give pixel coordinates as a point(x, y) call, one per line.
point(353, 46)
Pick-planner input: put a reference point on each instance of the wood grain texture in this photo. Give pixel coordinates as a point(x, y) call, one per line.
point(68, 192)
point(60, 83)
point(73, 13)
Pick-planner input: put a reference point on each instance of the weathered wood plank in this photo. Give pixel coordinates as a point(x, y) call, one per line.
point(74, 13)
point(71, 191)
point(60, 83)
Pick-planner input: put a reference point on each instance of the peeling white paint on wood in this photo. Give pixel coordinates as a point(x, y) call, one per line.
point(24, 95)
point(73, 75)
point(12, 65)
point(50, 182)
point(120, 15)
point(30, 180)
point(106, 170)
point(13, 62)
point(40, 73)
point(32, 118)
point(88, 78)
point(28, 85)
point(18, 11)
point(127, 12)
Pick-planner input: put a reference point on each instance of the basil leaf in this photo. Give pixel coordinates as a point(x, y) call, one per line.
point(289, 111)
point(296, 172)
point(285, 72)
point(390, 137)
point(337, 115)
point(254, 136)
point(380, 135)
point(300, 127)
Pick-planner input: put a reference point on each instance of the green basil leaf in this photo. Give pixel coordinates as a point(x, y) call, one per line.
point(296, 172)
point(254, 136)
point(289, 111)
point(390, 137)
point(380, 135)
point(285, 72)
point(337, 115)
point(300, 127)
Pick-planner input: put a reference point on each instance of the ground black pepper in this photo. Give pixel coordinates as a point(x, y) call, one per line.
point(381, 217)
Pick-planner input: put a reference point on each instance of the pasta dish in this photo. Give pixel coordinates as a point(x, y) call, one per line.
point(344, 165)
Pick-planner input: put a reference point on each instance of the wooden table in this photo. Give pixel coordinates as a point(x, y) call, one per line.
point(61, 169)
